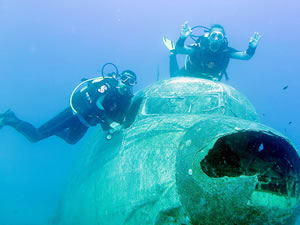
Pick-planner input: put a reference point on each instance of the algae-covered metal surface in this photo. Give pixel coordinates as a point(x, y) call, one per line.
point(194, 153)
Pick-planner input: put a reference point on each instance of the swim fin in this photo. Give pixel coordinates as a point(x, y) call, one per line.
point(1, 123)
point(8, 118)
point(169, 44)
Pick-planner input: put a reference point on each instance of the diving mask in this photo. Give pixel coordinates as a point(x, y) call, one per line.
point(127, 79)
point(216, 36)
point(216, 40)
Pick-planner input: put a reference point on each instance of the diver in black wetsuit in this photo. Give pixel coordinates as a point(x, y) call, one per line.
point(209, 56)
point(101, 101)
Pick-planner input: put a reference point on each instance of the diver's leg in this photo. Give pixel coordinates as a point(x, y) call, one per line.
point(66, 126)
point(26, 129)
point(59, 123)
point(74, 132)
point(173, 65)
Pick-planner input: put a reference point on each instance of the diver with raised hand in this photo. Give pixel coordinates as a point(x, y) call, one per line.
point(209, 56)
point(102, 100)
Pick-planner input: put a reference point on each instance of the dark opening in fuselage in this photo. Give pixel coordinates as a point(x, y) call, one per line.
point(271, 158)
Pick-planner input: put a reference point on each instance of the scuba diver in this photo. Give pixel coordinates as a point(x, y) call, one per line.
point(209, 56)
point(100, 100)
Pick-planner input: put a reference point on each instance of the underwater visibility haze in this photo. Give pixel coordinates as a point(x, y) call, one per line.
point(47, 47)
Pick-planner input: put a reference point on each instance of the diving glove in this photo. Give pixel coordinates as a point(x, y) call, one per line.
point(8, 118)
point(169, 44)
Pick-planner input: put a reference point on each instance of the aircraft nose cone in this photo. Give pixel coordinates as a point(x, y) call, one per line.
point(237, 172)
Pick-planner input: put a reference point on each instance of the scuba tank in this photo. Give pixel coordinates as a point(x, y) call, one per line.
point(80, 88)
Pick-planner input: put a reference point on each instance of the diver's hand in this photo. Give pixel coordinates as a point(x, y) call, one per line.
point(113, 130)
point(254, 40)
point(185, 30)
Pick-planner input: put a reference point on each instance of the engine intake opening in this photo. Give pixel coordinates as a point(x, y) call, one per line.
point(271, 158)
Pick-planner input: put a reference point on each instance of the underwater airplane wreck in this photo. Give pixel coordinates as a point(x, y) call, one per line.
point(193, 153)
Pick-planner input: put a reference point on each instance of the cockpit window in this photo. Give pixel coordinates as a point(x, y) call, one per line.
point(182, 105)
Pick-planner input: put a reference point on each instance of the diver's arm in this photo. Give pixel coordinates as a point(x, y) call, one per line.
point(180, 47)
point(104, 121)
point(245, 55)
point(99, 102)
point(101, 93)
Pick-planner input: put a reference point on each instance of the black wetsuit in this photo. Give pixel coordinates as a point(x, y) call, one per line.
point(71, 127)
point(202, 63)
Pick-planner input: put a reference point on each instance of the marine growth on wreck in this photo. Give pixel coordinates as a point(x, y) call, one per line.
point(193, 152)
